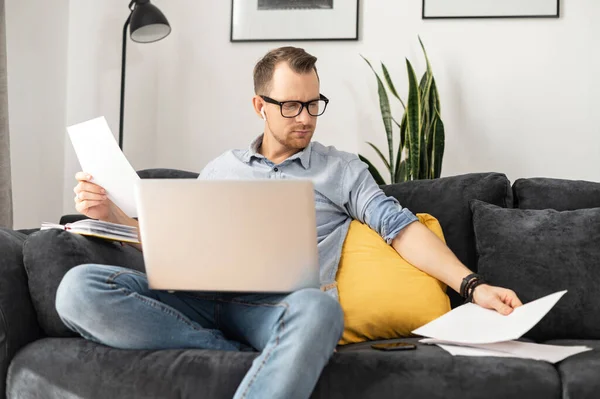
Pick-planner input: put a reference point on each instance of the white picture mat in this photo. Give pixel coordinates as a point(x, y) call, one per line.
point(249, 23)
point(484, 8)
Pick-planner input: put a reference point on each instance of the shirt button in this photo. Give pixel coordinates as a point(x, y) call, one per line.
point(275, 170)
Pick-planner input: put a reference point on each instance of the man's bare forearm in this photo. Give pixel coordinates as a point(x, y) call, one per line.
point(423, 249)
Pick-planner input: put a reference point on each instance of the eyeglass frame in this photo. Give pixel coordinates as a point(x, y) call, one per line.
point(302, 105)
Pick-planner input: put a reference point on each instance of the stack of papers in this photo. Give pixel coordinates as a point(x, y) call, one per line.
point(470, 330)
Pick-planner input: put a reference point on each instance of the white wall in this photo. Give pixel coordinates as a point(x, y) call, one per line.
point(37, 72)
point(94, 84)
point(518, 95)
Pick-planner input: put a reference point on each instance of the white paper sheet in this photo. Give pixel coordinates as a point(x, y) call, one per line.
point(472, 324)
point(100, 156)
point(524, 350)
point(467, 351)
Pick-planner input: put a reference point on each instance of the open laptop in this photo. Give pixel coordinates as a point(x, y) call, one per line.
point(228, 235)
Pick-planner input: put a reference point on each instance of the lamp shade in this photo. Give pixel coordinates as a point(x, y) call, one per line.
point(148, 23)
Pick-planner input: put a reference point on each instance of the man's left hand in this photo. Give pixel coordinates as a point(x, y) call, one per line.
point(496, 298)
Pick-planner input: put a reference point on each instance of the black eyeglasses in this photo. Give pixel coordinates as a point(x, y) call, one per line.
point(291, 109)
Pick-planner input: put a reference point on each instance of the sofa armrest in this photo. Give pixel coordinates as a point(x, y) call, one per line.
point(49, 254)
point(18, 322)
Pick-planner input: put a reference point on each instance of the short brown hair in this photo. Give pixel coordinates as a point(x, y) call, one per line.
point(298, 60)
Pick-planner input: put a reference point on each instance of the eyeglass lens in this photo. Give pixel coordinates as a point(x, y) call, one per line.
point(289, 109)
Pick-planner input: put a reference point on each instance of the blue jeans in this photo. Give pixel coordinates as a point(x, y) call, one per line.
point(296, 333)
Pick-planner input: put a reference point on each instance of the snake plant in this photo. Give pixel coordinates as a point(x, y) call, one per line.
point(421, 148)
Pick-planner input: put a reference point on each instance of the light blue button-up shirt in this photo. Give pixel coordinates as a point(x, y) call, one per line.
point(344, 190)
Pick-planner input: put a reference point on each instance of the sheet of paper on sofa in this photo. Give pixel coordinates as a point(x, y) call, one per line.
point(524, 350)
point(472, 324)
point(99, 155)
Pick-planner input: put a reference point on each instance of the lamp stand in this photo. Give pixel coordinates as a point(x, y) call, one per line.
point(123, 62)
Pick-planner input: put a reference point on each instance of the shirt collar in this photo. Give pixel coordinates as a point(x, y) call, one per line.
point(252, 152)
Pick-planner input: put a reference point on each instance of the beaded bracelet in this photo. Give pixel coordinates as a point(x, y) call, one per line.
point(476, 284)
point(465, 283)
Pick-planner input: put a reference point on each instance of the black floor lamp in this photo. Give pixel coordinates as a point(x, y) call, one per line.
point(148, 24)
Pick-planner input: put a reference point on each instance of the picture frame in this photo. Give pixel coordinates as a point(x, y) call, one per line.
point(453, 9)
point(286, 20)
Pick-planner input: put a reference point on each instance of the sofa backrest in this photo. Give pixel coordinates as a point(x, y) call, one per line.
point(557, 194)
point(49, 254)
point(447, 199)
point(161, 173)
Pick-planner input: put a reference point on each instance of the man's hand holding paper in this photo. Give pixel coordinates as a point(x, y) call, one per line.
point(101, 157)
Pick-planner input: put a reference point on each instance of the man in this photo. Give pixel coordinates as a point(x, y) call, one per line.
point(296, 333)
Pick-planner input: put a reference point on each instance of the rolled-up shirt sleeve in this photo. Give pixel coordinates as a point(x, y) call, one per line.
point(367, 203)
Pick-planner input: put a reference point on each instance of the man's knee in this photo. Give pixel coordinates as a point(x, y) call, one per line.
point(75, 291)
point(315, 306)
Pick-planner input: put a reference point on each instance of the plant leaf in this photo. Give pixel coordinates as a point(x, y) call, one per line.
point(413, 128)
point(373, 170)
point(435, 146)
point(425, 85)
point(390, 84)
point(423, 82)
point(401, 146)
point(387, 164)
point(403, 132)
point(438, 147)
point(430, 146)
point(426, 57)
point(423, 167)
point(435, 97)
point(401, 173)
point(406, 154)
point(430, 128)
point(386, 114)
point(425, 91)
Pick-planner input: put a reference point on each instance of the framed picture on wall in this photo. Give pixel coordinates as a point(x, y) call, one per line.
point(438, 9)
point(287, 20)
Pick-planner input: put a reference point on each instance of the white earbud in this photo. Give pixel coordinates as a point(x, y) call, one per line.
point(262, 112)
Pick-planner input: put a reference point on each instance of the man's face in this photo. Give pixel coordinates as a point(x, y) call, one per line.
point(287, 85)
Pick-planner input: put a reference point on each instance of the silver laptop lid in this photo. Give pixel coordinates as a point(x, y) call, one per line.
point(228, 235)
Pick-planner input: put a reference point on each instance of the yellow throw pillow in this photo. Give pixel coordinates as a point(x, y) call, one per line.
point(382, 295)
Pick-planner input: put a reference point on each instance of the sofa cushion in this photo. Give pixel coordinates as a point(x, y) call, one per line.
point(27, 232)
point(538, 252)
point(579, 373)
point(49, 254)
point(382, 295)
point(73, 367)
point(447, 199)
point(18, 325)
point(557, 194)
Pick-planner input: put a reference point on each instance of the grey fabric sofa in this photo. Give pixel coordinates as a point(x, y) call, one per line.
point(535, 236)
